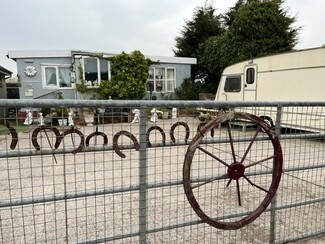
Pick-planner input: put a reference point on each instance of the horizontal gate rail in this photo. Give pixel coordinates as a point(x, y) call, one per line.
point(99, 148)
point(97, 192)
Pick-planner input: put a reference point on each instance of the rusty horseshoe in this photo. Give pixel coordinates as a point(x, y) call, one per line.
point(97, 133)
point(161, 132)
point(172, 129)
point(116, 147)
point(72, 131)
point(13, 132)
point(44, 128)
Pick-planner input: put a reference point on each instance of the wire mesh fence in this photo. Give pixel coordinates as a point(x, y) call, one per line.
point(120, 178)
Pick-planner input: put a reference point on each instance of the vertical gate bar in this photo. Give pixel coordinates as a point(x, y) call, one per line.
point(65, 196)
point(143, 176)
point(274, 200)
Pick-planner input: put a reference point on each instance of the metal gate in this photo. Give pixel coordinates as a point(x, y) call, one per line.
point(120, 178)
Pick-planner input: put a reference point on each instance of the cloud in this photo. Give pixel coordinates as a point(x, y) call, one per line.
point(121, 25)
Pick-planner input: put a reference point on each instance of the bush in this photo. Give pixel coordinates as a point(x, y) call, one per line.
point(129, 77)
point(188, 90)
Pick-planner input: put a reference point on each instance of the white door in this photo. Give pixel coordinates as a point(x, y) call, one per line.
point(250, 80)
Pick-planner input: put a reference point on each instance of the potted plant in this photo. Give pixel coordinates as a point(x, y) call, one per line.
point(60, 116)
point(165, 114)
point(89, 116)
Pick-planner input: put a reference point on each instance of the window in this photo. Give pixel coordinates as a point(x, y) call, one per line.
point(250, 75)
point(233, 84)
point(95, 70)
point(56, 76)
point(170, 80)
point(161, 79)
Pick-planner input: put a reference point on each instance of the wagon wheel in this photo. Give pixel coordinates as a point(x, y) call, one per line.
point(238, 181)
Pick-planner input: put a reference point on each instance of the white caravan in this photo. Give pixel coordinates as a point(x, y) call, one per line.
point(292, 76)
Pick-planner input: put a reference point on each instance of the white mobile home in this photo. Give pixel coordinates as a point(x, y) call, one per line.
point(292, 76)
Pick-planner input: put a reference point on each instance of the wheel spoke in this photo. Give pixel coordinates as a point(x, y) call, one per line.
point(229, 182)
point(211, 155)
point(48, 140)
point(238, 192)
point(261, 161)
point(225, 176)
point(231, 141)
point(250, 144)
point(253, 184)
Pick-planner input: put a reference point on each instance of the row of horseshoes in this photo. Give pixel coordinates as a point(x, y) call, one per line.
point(85, 142)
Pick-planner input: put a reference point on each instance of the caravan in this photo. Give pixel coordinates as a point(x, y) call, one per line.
point(292, 76)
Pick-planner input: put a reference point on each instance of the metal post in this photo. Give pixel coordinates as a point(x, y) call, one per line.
point(143, 176)
point(274, 201)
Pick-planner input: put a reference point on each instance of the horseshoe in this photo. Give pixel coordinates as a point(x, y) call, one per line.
point(44, 128)
point(172, 129)
point(116, 146)
point(71, 131)
point(96, 133)
point(161, 132)
point(13, 132)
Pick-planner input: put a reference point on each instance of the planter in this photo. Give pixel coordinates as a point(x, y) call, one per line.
point(165, 115)
point(89, 119)
point(63, 122)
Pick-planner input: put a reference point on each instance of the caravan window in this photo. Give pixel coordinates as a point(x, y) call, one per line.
point(250, 75)
point(233, 84)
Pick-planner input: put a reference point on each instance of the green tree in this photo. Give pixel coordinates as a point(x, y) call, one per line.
point(262, 27)
point(253, 28)
point(204, 25)
point(129, 74)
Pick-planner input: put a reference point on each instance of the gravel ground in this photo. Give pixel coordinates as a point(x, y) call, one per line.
point(116, 213)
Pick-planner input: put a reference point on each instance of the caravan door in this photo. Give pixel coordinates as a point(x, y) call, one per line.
point(250, 75)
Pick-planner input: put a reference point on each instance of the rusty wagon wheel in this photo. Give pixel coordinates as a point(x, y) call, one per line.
point(229, 184)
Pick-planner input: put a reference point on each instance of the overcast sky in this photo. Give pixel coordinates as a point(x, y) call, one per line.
point(122, 25)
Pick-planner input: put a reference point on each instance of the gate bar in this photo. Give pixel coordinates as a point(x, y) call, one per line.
point(100, 148)
point(143, 176)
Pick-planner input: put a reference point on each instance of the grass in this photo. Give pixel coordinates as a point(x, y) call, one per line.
point(19, 128)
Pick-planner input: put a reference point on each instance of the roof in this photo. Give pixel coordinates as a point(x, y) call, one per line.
point(15, 54)
point(38, 53)
point(12, 80)
point(304, 58)
point(4, 71)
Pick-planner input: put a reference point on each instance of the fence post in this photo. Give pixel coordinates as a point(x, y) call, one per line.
point(274, 201)
point(143, 176)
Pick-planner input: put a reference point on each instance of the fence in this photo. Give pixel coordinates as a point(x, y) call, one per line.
point(114, 180)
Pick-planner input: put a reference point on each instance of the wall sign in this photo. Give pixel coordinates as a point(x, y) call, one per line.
point(29, 91)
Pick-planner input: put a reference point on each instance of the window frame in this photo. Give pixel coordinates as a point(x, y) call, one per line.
point(233, 90)
point(165, 80)
point(56, 67)
point(250, 78)
point(98, 69)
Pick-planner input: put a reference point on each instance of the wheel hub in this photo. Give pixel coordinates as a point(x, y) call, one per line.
point(236, 170)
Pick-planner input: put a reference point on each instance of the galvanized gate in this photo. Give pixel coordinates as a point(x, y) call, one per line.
point(114, 180)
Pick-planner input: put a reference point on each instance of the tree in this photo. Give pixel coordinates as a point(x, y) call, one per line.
point(204, 25)
point(253, 28)
point(262, 27)
point(129, 74)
